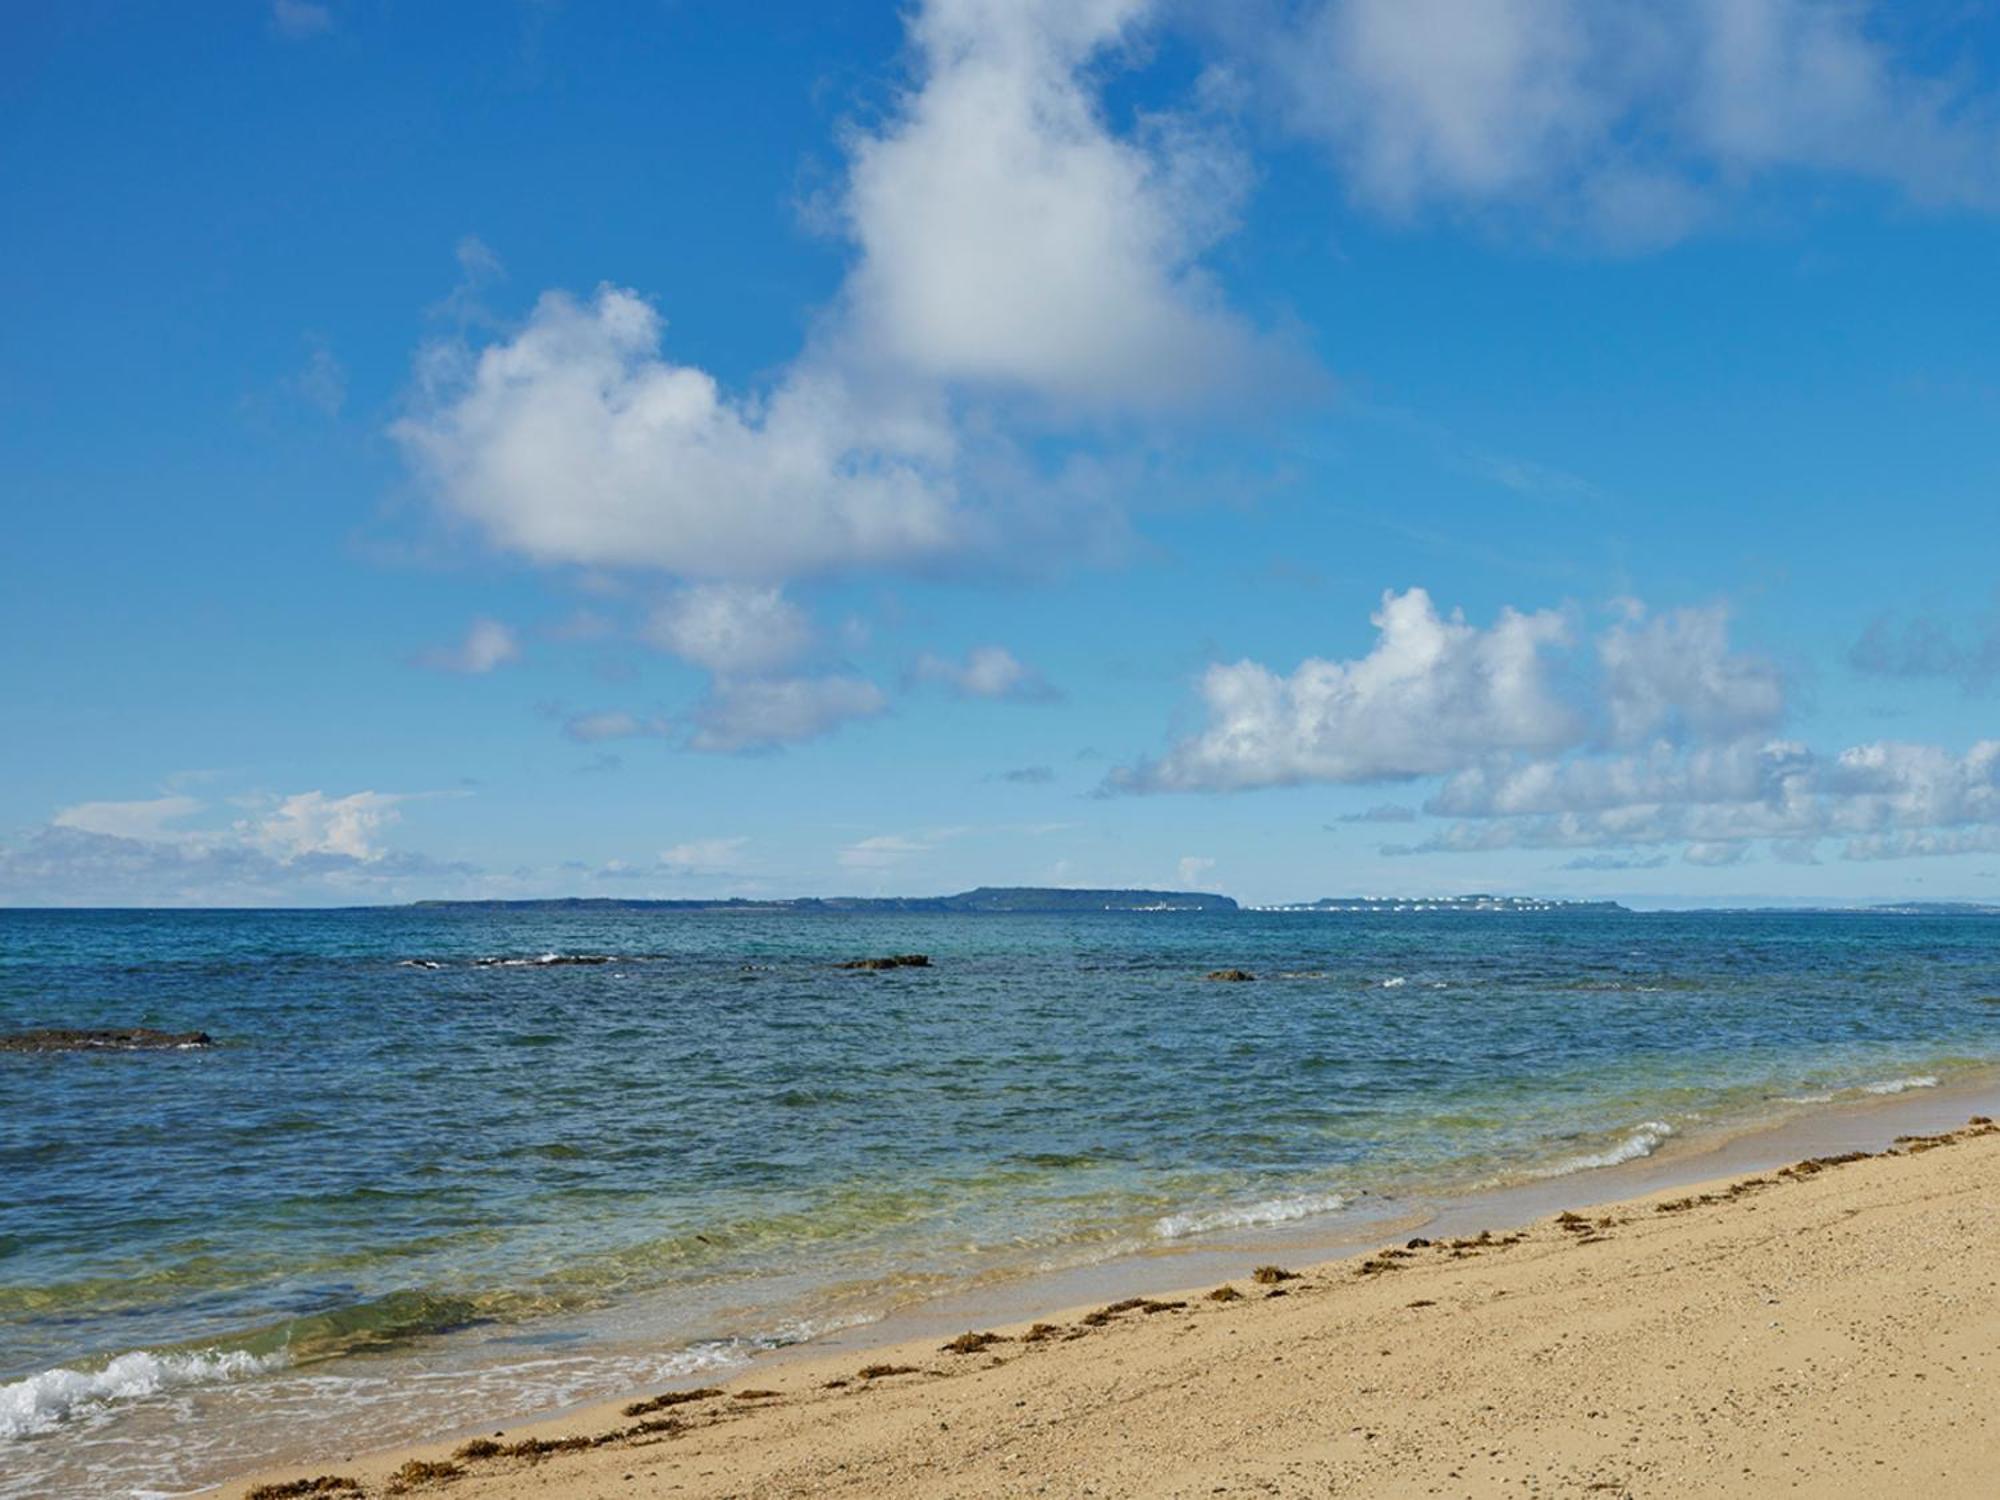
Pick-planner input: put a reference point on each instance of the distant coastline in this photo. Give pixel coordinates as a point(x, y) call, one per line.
point(994, 900)
point(1063, 900)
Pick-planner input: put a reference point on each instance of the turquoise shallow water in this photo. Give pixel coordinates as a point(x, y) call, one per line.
point(411, 1181)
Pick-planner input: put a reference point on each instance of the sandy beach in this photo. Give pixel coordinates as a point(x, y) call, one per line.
point(1827, 1328)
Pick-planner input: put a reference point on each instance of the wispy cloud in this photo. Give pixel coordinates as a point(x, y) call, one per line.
point(488, 644)
point(987, 672)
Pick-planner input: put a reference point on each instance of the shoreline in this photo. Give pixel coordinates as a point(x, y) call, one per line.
point(1864, 1125)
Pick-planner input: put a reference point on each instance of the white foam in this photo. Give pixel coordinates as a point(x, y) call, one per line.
point(1250, 1215)
point(44, 1401)
point(1643, 1141)
point(1899, 1085)
point(1394, 984)
point(1805, 1098)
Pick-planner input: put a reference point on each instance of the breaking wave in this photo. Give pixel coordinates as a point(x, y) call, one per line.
point(1643, 1141)
point(1900, 1085)
point(1250, 1215)
point(42, 1402)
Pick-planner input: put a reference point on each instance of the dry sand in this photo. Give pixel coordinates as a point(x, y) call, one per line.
point(1821, 1330)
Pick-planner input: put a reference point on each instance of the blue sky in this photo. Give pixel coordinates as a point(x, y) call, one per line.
point(685, 449)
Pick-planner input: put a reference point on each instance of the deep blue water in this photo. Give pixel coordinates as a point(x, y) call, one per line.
point(385, 1168)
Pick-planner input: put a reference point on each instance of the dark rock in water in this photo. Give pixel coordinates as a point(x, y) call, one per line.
point(1230, 976)
point(893, 961)
point(128, 1039)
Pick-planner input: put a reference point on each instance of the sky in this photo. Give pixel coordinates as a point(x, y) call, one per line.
point(685, 449)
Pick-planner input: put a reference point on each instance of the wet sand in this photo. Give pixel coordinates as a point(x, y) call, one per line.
point(1822, 1330)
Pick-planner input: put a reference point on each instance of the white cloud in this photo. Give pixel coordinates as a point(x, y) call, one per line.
point(1883, 800)
point(314, 823)
point(1437, 695)
point(146, 819)
point(765, 713)
point(1668, 742)
point(987, 672)
point(487, 644)
point(731, 628)
point(576, 441)
point(1010, 238)
point(1434, 694)
point(1012, 245)
point(176, 851)
point(1675, 675)
point(1627, 120)
point(703, 856)
point(1192, 867)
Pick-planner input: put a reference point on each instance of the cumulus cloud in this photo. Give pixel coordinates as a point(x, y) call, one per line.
point(1626, 120)
point(732, 628)
point(1438, 695)
point(1013, 247)
point(577, 441)
point(1010, 238)
point(1657, 732)
point(766, 713)
point(1433, 694)
point(488, 644)
point(986, 672)
point(314, 823)
point(174, 851)
point(1675, 675)
point(1883, 800)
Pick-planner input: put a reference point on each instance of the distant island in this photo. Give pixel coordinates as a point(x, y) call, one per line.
point(1478, 901)
point(1937, 909)
point(986, 900)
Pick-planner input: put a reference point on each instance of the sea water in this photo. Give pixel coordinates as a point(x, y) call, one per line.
point(443, 1165)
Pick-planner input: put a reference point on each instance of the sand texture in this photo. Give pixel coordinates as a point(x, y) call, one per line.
point(1825, 1330)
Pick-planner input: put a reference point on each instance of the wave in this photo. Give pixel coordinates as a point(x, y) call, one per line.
point(542, 961)
point(1643, 1141)
point(1900, 1085)
point(1395, 983)
point(1250, 1215)
point(42, 1402)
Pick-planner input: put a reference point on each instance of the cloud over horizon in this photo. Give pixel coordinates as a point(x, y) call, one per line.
point(1670, 739)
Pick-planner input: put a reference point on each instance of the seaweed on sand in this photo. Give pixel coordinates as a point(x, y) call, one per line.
point(972, 1343)
point(670, 1398)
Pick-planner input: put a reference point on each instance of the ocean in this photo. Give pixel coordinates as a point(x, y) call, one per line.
point(443, 1164)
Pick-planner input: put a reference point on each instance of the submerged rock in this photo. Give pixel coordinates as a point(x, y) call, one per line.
point(893, 961)
point(125, 1039)
point(1230, 976)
